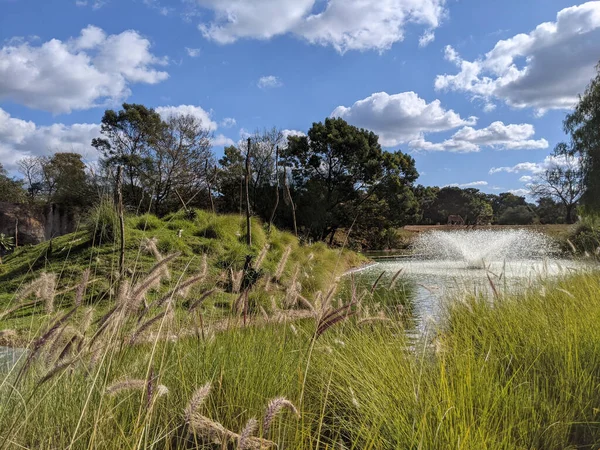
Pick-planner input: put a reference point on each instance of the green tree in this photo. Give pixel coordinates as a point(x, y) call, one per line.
point(128, 138)
point(334, 169)
point(563, 180)
point(65, 180)
point(583, 124)
point(11, 190)
point(517, 215)
point(230, 180)
point(550, 211)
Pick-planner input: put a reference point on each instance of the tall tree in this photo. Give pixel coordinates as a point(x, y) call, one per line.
point(333, 169)
point(583, 124)
point(563, 180)
point(128, 136)
point(180, 159)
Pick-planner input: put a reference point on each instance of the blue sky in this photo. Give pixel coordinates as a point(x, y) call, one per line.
point(475, 90)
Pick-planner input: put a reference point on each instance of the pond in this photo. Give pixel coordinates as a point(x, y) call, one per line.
point(448, 265)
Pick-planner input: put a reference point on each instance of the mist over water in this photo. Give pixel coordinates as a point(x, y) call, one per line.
point(478, 248)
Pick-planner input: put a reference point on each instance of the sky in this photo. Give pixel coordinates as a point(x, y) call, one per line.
point(475, 90)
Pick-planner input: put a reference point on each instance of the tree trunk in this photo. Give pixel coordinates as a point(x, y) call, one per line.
point(212, 204)
point(289, 195)
point(569, 214)
point(247, 180)
point(276, 188)
point(119, 202)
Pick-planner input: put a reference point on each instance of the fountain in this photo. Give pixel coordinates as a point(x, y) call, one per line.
point(478, 248)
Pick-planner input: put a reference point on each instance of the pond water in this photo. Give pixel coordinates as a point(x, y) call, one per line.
point(448, 265)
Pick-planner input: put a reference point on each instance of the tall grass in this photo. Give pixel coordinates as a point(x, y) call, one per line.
point(314, 362)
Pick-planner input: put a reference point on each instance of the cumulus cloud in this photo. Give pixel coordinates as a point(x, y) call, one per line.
point(532, 167)
point(288, 133)
point(343, 24)
point(426, 39)
point(20, 138)
point(497, 135)
point(188, 110)
point(222, 141)
point(468, 185)
point(526, 179)
point(400, 118)
point(544, 69)
point(91, 70)
point(520, 192)
point(269, 81)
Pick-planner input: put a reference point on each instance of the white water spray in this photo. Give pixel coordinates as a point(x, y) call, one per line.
point(477, 248)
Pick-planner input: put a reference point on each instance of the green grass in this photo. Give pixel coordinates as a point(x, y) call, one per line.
point(523, 372)
point(516, 372)
point(220, 237)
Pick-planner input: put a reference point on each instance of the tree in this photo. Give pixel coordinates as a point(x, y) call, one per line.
point(500, 203)
point(11, 190)
point(517, 215)
point(563, 180)
point(230, 177)
point(333, 169)
point(129, 135)
point(583, 124)
point(180, 160)
point(549, 211)
point(471, 204)
point(31, 169)
point(64, 179)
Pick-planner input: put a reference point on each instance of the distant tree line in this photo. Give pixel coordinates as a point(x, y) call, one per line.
point(337, 177)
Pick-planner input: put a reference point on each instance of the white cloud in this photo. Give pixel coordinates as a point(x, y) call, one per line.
point(192, 52)
point(188, 110)
point(269, 81)
point(228, 122)
point(343, 24)
point(400, 118)
point(20, 138)
point(90, 70)
point(526, 179)
point(469, 185)
point(427, 38)
point(288, 133)
point(497, 135)
point(531, 167)
point(222, 141)
point(545, 69)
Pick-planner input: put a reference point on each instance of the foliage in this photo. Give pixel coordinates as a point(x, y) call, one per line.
point(517, 215)
point(583, 124)
point(11, 190)
point(102, 222)
point(563, 180)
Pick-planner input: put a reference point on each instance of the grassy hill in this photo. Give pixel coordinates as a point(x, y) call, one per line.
point(206, 242)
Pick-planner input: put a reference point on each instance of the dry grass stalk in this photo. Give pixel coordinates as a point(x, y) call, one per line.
point(59, 368)
point(82, 287)
point(377, 281)
point(180, 289)
point(282, 262)
point(200, 300)
point(143, 327)
point(333, 317)
point(292, 292)
point(248, 431)
point(197, 400)
point(236, 279)
point(261, 256)
point(395, 278)
point(274, 408)
point(129, 384)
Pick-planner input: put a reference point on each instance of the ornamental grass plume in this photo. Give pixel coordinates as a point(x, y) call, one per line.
point(248, 431)
point(197, 400)
point(282, 262)
point(274, 408)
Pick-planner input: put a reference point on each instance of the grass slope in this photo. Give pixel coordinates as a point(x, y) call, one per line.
point(220, 237)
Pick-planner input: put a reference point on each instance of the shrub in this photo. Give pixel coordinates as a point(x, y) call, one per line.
point(102, 222)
